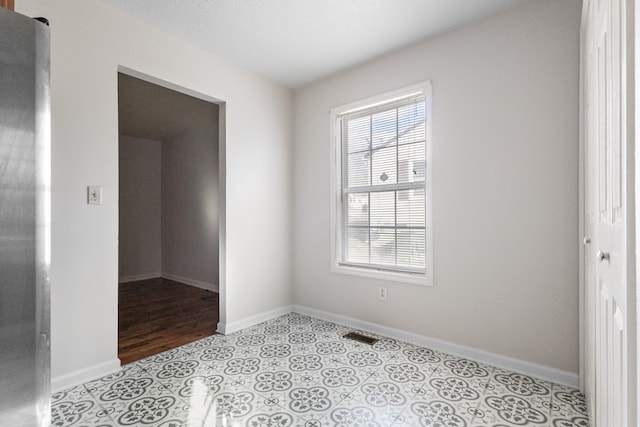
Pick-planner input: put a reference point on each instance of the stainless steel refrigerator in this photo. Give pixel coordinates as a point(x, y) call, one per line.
point(24, 221)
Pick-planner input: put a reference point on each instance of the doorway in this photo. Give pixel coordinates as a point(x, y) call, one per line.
point(168, 218)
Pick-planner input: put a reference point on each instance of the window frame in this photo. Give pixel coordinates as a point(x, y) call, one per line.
point(336, 170)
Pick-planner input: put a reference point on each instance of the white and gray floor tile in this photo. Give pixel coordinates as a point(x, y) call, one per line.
point(299, 371)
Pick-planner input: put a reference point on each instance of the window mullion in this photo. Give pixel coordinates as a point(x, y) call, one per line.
point(370, 180)
point(345, 185)
point(389, 187)
point(369, 224)
point(395, 193)
point(395, 225)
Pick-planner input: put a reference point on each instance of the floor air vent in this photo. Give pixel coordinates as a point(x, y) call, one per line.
point(361, 338)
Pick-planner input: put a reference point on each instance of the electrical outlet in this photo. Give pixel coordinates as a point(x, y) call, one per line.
point(94, 195)
point(382, 293)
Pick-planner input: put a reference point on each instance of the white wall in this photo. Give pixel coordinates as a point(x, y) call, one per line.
point(168, 212)
point(86, 51)
point(190, 206)
point(505, 188)
point(139, 227)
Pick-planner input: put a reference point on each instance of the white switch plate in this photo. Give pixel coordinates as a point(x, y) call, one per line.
point(94, 195)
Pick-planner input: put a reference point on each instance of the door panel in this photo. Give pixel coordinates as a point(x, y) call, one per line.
point(606, 310)
point(601, 117)
point(602, 356)
point(618, 363)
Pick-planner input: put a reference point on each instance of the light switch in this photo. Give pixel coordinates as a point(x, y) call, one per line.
point(94, 195)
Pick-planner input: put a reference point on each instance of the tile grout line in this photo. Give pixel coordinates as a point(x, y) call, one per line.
point(303, 337)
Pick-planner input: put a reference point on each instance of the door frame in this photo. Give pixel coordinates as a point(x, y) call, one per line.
point(222, 178)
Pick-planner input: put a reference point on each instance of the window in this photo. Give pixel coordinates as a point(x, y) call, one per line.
point(381, 181)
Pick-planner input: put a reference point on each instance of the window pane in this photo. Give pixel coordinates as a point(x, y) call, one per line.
point(411, 123)
point(384, 146)
point(383, 208)
point(411, 162)
point(357, 249)
point(358, 169)
point(384, 128)
point(383, 246)
point(384, 166)
point(411, 244)
point(358, 209)
point(411, 207)
point(358, 134)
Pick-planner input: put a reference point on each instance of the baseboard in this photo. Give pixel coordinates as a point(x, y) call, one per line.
point(137, 277)
point(62, 382)
point(532, 369)
point(231, 327)
point(197, 283)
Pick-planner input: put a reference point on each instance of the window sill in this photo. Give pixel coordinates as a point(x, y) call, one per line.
point(414, 279)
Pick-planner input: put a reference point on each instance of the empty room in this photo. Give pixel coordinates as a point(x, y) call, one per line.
point(318, 213)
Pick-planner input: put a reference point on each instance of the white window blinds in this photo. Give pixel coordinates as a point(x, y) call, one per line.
point(382, 208)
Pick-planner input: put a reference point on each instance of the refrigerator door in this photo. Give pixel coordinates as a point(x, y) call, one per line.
point(24, 221)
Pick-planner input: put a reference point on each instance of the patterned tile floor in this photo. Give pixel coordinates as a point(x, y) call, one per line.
point(299, 371)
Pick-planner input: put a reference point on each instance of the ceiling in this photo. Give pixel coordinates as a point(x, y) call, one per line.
point(296, 42)
point(149, 111)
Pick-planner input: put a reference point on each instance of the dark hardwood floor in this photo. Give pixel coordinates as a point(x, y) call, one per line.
point(159, 314)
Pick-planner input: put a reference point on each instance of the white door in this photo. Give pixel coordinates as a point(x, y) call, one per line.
point(606, 311)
